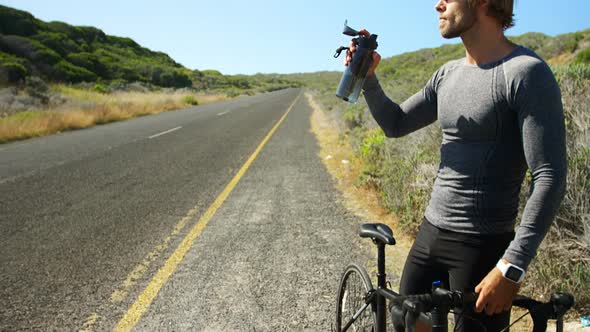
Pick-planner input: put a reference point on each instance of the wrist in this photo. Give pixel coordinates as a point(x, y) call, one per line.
point(510, 271)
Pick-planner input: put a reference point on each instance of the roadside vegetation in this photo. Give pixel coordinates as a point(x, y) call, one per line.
point(402, 170)
point(44, 109)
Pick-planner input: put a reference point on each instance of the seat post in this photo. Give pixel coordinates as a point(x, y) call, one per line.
point(380, 300)
point(381, 265)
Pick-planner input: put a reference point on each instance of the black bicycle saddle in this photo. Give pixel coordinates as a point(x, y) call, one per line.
point(378, 233)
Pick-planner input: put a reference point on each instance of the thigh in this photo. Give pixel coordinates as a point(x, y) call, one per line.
point(419, 270)
point(473, 260)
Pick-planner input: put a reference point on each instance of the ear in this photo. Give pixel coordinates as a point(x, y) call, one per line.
point(482, 7)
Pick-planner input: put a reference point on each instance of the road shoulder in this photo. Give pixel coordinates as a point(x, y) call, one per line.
point(337, 155)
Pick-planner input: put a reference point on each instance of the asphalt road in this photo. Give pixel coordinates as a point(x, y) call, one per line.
point(89, 217)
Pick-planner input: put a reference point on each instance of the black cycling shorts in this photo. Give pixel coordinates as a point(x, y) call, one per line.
point(460, 261)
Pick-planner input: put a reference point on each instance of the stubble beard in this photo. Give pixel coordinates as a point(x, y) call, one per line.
point(459, 24)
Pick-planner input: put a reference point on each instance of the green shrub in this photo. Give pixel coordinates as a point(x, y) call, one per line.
point(191, 100)
point(17, 22)
point(36, 87)
point(371, 152)
point(66, 72)
point(57, 42)
point(583, 56)
point(86, 60)
point(27, 48)
point(232, 93)
point(353, 116)
point(101, 88)
point(91, 34)
point(11, 72)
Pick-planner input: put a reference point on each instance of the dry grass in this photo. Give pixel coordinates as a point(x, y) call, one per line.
point(363, 201)
point(87, 108)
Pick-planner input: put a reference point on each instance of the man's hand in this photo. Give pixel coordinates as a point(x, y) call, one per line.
point(352, 48)
point(495, 293)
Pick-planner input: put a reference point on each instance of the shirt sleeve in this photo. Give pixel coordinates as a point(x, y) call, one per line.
point(537, 101)
point(396, 120)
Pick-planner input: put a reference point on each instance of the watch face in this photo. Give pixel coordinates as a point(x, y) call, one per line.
point(513, 273)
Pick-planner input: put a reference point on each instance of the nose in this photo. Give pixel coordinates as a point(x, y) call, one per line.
point(440, 6)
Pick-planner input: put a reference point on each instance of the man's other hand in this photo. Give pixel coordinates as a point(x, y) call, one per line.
point(495, 293)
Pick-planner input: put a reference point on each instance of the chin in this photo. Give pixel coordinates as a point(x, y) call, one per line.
point(449, 34)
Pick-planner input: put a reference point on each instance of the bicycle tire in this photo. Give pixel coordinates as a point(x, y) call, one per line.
point(354, 285)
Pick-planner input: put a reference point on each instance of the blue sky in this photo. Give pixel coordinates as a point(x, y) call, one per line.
point(246, 37)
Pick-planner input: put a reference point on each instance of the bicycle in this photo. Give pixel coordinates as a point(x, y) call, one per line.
point(356, 295)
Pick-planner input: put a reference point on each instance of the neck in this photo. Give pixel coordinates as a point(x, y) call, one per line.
point(485, 44)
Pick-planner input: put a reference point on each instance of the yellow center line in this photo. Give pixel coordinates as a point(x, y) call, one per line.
point(145, 299)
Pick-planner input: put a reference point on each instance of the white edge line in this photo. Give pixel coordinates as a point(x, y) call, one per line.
point(165, 132)
point(220, 114)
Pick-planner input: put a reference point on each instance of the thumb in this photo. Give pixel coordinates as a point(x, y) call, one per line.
point(479, 305)
point(364, 33)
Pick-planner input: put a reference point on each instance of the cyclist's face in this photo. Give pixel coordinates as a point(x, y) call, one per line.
point(455, 17)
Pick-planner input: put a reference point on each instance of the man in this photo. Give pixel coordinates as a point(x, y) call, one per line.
point(500, 110)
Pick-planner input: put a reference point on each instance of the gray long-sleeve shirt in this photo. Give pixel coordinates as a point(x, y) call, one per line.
point(496, 120)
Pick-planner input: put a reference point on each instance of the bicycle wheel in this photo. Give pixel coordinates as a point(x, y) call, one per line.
point(353, 289)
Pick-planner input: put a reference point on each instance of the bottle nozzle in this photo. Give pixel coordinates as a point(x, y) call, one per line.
point(348, 30)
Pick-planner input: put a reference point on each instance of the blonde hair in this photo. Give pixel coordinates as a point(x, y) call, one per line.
point(503, 10)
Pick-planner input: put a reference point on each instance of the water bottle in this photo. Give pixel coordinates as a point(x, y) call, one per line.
point(355, 74)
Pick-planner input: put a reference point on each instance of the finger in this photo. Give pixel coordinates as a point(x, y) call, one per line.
point(364, 33)
point(499, 309)
point(347, 58)
point(376, 59)
point(478, 288)
point(490, 309)
point(352, 43)
point(480, 304)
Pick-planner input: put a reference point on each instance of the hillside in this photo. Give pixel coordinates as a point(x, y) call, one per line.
point(59, 52)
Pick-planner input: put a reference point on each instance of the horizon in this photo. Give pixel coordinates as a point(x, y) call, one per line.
point(273, 33)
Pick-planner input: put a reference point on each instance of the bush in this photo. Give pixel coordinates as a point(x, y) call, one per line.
point(17, 22)
point(28, 48)
point(190, 100)
point(91, 34)
point(57, 42)
point(353, 116)
point(583, 56)
point(101, 88)
point(64, 71)
point(371, 152)
point(37, 88)
point(232, 93)
point(86, 60)
point(11, 72)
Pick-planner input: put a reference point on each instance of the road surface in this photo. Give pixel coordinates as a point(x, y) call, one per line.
point(88, 218)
